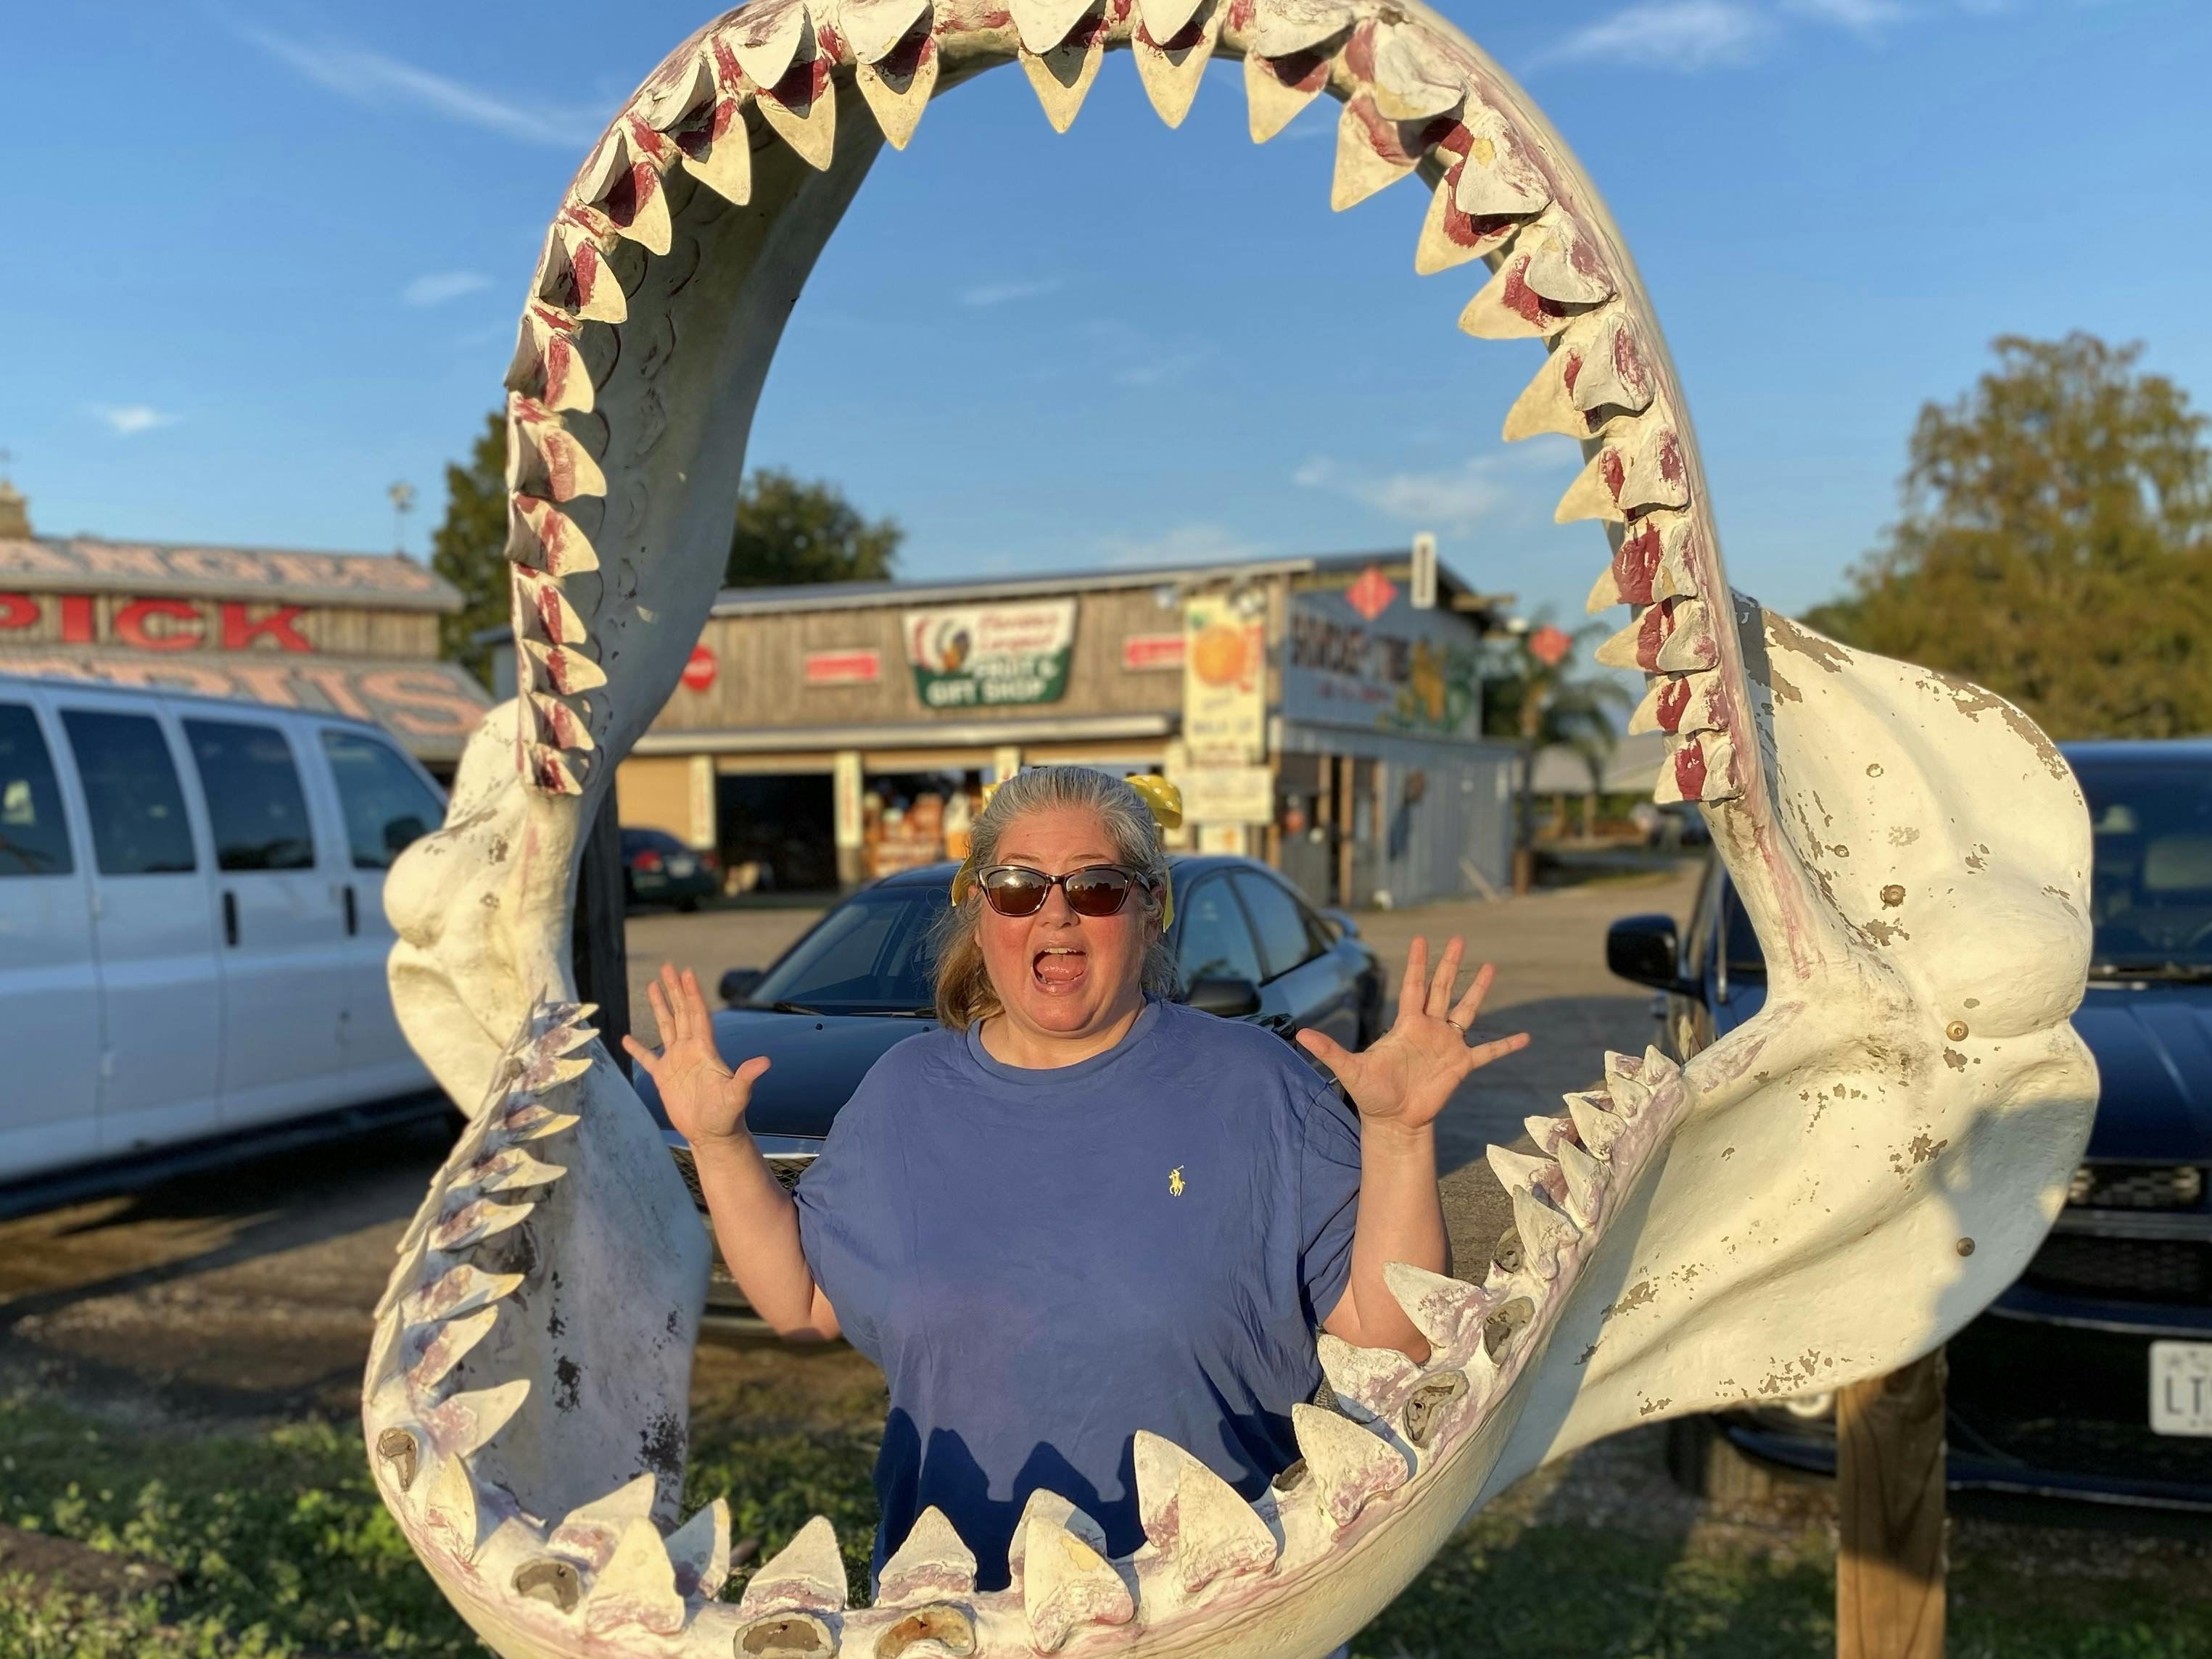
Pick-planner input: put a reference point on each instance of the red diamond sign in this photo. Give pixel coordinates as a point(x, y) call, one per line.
point(1550, 645)
point(1371, 594)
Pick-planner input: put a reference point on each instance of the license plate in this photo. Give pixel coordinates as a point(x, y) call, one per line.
point(681, 866)
point(2181, 1388)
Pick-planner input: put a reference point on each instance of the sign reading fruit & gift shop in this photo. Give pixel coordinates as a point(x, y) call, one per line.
point(1225, 679)
point(990, 656)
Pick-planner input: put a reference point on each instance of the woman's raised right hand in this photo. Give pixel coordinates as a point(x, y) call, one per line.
point(704, 1099)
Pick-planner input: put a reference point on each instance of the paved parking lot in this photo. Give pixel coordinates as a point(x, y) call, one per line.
point(246, 1293)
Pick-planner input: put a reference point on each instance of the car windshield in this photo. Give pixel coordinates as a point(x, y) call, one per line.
point(2151, 889)
point(869, 956)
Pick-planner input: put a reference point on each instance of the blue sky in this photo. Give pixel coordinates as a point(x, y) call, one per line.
point(266, 258)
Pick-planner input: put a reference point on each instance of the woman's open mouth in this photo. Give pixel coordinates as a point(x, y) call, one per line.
point(1059, 968)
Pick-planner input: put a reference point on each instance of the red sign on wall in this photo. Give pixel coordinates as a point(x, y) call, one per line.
point(842, 667)
point(161, 624)
point(699, 669)
point(1141, 652)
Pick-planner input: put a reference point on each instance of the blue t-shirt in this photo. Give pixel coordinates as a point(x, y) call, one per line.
point(1043, 1262)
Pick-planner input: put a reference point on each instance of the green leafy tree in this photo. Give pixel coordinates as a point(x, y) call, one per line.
point(468, 549)
point(1545, 703)
point(2056, 545)
point(790, 531)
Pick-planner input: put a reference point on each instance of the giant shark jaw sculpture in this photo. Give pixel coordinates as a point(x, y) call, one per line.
point(1828, 1192)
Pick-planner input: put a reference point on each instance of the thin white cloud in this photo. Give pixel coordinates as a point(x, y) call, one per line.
point(1185, 544)
point(129, 419)
point(364, 76)
point(1158, 371)
point(1456, 497)
point(1868, 17)
point(1675, 34)
point(1000, 293)
point(436, 288)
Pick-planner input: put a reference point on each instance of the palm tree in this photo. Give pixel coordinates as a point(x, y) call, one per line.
point(1532, 693)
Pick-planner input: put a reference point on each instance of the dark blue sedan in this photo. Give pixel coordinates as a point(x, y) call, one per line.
point(1247, 946)
point(2087, 1378)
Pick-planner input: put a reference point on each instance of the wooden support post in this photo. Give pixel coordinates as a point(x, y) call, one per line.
point(1889, 1479)
point(598, 955)
point(1347, 825)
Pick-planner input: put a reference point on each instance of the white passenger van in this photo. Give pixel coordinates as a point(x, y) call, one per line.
point(191, 918)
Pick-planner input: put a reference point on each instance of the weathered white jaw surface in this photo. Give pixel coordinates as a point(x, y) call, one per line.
point(1793, 1209)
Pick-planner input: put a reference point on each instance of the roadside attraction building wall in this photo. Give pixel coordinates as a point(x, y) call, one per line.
point(1314, 717)
point(353, 633)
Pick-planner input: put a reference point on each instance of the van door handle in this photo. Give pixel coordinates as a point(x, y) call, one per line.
point(230, 918)
point(352, 913)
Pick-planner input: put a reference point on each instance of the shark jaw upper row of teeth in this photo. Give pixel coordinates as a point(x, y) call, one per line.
point(1414, 100)
point(606, 1565)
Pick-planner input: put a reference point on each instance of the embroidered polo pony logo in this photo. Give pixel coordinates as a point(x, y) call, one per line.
point(1175, 1181)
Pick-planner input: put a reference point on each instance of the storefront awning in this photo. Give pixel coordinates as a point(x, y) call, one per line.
point(910, 734)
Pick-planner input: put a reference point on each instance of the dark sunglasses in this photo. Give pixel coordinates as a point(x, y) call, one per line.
point(1096, 890)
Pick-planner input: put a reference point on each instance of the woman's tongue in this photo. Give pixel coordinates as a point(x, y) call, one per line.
point(1059, 971)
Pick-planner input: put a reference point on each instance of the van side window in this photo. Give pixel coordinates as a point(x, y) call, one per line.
point(34, 841)
point(130, 787)
point(386, 805)
point(253, 796)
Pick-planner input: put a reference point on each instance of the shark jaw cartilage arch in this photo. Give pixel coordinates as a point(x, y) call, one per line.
point(1827, 1192)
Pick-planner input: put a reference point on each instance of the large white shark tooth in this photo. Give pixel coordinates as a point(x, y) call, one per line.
point(1445, 1310)
point(1641, 466)
point(566, 670)
point(802, 111)
point(589, 1530)
point(1506, 308)
point(540, 598)
point(1171, 64)
point(510, 1169)
point(1702, 767)
point(1521, 1169)
point(673, 94)
point(717, 146)
point(898, 87)
point(1548, 1132)
point(1624, 1083)
point(1546, 1229)
point(449, 1509)
point(527, 1121)
point(1498, 179)
point(1448, 237)
point(444, 1346)
point(1194, 1517)
point(1683, 703)
point(1614, 372)
point(1657, 560)
point(1050, 1506)
point(933, 1563)
point(1595, 374)
point(873, 28)
point(544, 458)
point(1504, 1326)
point(699, 1550)
point(549, 770)
point(1162, 20)
point(543, 538)
point(1564, 264)
point(1409, 83)
point(1061, 74)
point(1659, 1067)
point(1276, 89)
point(1043, 24)
point(1285, 28)
point(476, 1221)
point(574, 275)
point(1348, 1466)
point(1373, 152)
point(561, 724)
point(637, 1584)
point(459, 1290)
point(548, 363)
point(1426, 1407)
point(462, 1424)
point(807, 1575)
point(621, 181)
point(1585, 1179)
point(1068, 1584)
point(1370, 1383)
point(767, 40)
point(550, 1071)
point(563, 1037)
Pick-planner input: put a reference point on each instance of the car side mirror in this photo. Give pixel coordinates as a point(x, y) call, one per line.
point(739, 983)
point(1226, 996)
point(1648, 950)
point(1345, 926)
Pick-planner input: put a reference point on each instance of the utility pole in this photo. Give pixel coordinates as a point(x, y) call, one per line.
point(402, 497)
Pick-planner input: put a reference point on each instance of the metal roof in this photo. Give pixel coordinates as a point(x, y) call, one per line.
point(86, 564)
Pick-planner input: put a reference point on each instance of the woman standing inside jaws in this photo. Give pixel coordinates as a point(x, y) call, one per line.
point(1080, 1209)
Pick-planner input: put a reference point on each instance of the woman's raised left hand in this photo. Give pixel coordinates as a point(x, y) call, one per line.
point(1404, 1077)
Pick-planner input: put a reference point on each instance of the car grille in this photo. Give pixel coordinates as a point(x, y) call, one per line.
point(2091, 1448)
point(2136, 1187)
point(785, 1167)
point(2171, 1270)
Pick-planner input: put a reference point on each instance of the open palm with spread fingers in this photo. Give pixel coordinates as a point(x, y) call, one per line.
point(1407, 1075)
point(705, 1100)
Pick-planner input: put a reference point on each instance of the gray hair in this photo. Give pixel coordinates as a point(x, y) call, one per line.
point(964, 992)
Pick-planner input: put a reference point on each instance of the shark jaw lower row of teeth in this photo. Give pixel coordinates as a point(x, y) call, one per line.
point(1416, 98)
point(606, 1566)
